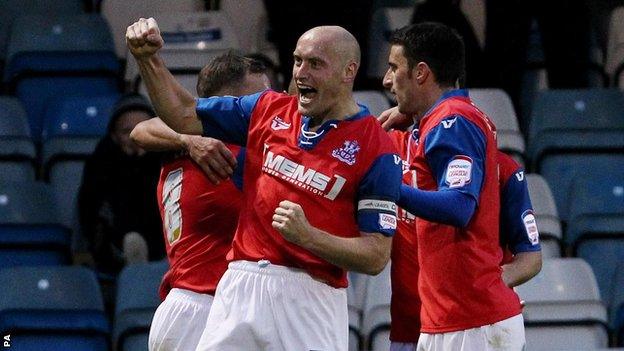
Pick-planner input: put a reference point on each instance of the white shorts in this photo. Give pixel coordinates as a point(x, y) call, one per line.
point(507, 335)
point(179, 321)
point(260, 306)
point(403, 346)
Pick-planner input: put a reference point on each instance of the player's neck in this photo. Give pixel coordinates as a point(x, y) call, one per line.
point(340, 112)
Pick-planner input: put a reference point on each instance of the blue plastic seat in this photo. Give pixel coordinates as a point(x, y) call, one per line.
point(30, 232)
point(563, 121)
point(17, 151)
point(561, 171)
point(596, 224)
point(59, 57)
point(10, 9)
point(137, 300)
point(53, 308)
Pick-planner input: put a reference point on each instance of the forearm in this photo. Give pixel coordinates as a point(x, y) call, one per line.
point(447, 207)
point(172, 102)
point(368, 253)
point(524, 266)
point(155, 135)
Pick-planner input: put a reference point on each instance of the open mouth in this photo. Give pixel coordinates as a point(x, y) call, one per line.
point(306, 93)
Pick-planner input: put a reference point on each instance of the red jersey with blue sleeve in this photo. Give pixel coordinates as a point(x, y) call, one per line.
point(405, 302)
point(199, 220)
point(345, 175)
point(460, 282)
point(518, 227)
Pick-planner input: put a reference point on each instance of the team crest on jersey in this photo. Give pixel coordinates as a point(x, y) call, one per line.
point(279, 124)
point(528, 218)
point(347, 153)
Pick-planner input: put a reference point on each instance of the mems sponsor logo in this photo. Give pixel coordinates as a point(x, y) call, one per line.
point(304, 177)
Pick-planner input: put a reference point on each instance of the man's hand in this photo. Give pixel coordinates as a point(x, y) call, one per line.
point(393, 119)
point(214, 158)
point(290, 220)
point(143, 38)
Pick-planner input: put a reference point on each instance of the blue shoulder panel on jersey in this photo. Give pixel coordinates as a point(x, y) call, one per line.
point(227, 117)
point(455, 151)
point(237, 177)
point(517, 217)
point(378, 194)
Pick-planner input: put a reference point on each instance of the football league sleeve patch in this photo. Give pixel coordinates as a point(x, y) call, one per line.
point(455, 152)
point(378, 194)
point(517, 217)
point(227, 117)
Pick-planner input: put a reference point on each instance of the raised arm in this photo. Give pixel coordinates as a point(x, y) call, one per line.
point(174, 104)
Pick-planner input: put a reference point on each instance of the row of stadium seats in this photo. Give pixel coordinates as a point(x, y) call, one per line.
point(563, 309)
point(63, 308)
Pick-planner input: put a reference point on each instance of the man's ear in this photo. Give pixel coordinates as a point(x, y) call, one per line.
point(351, 71)
point(422, 72)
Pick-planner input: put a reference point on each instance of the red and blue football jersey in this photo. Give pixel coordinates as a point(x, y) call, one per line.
point(199, 220)
point(405, 302)
point(518, 227)
point(460, 281)
point(345, 175)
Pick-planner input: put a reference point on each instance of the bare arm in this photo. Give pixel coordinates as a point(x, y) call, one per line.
point(368, 253)
point(155, 135)
point(525, 265)
point(174, 104)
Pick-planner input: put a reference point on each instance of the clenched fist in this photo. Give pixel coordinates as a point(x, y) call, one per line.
point(143, 38)
point(290, 220)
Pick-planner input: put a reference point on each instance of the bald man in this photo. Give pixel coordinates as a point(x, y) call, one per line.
point(321, 179)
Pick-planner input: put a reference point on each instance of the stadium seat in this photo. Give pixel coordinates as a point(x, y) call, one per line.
point(17, 151)
point(581, 121)
point(249, 20)
point(188, 79)
point(53, 308)
point(385, 20)
point(561, 171)
point(614, 61)
point(376, 311)
point(596, 224)
point(137, 300)
point(191, 40)
point(59, 57)
point(120, 14)
point(30, 232)
point(10, 9)
point(563, 308)
point(498, 106)
point(616, 302)
point(546, 215)
point(374, 100)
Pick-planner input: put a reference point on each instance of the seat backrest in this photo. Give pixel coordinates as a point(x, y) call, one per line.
point(120, 14)
point(617, 296)
point(60, 43)
point(583, 119)
point(192, 39)
point(79, 116)
point(13, 120)
point(249, 20)
point(615, 41)
point(564, 291)
point(544, 206)
point(50, 288)
point(137, 286)
point(18, 205)
point(375, 101)
point(11, 9)
point(385, 20)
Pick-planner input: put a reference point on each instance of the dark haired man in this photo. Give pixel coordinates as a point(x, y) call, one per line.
point(465, 302)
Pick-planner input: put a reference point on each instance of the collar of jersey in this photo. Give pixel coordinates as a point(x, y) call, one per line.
point(307, 139)
point(446, 95)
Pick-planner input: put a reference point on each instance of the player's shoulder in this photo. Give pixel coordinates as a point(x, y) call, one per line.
point(376, 139)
